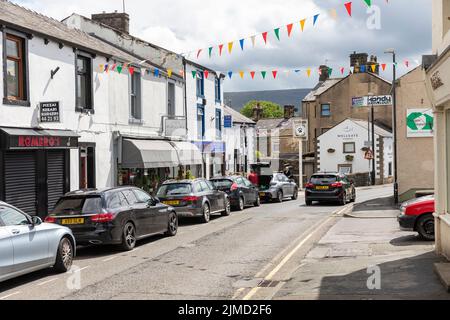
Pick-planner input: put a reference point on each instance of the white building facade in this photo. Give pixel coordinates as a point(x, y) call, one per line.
point(343, 149)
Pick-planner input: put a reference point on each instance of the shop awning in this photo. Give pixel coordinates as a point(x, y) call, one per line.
point(145, 154)
point(29, 138)
point(188, 153)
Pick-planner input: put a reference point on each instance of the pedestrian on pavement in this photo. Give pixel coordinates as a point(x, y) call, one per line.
point(288, 172)
point(253, 177)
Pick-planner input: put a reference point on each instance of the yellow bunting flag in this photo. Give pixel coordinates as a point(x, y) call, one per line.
point(230, 47)
point(169, 72)
point(302, 24)
point(101, 68)
point(308, 72)
point(374, 68)
point(241, 73)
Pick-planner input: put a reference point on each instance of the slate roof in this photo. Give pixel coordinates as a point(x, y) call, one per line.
point(28, 21)
point(320, 88)
point(237, 117)
point(275, 123)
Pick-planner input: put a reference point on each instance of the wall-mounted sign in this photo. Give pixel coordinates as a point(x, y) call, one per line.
point(49, 112)
point(39, 142)
point(368, 101)
point(300, 129)
point(436, 80)
point(228, 121)
point(419, 123)
point(175, 127)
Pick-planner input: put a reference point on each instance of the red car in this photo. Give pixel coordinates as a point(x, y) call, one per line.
point(417, 215)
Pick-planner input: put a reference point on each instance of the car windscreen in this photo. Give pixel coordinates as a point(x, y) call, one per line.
point(222, 183)
point(78, 205)
point(324, 179)
point(176, 189)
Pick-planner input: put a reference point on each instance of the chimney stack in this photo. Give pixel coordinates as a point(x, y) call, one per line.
point(116, 20)
point(289, 111)
point(257, 112)
point(324, 73)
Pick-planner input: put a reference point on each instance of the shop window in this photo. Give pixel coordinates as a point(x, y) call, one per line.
point(325, 110)
point(15, 71)
point(84, 83)
point(135, 95)
point(349, 147)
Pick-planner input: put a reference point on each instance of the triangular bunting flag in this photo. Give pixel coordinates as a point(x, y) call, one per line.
point(194, 74)
point(383, 66)
point(263, 73)
point(330, 71)
point(230, 47)
point(169, 73)
point(363, 68)
point(252, 74)
point(199, 52)
point(333, 13)
point(106, 68)
point(373, 67)
point(277, 33)
point(156, 72)
point(315, 19)
point(101, 68)
point(264, 35)
point(253, 40)
point(274, 73)
point(241, 74)
point(113, 67)
point(220, 49)
point(302, 24)
point(407, 63)
point(289, 29)
point(348, 6)
point(297, 71)
point(308, 72)
point(230, 74)
point(342, 70)
point(368, 2)
point(131, 70)
point(206, 73)
point(119, 69)
point(241, 42)
point(210, 51)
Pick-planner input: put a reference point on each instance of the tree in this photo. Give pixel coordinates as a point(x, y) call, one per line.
point(270, 109)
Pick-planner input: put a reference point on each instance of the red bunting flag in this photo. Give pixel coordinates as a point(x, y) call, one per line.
point(220, 49)
point(274, 73)
point(131, 70)
point(383, 66)
point(289, 29)
point(252, 74)
point(264, 35)
point(206, 73)
point(348, 6)
point(407, 63)
point(113, 67)
point(342, 70)
point(198, 53)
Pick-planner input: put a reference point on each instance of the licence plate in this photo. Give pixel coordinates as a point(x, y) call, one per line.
point(172, 203)
point(322, 187)
point(262, 194)
point(73, 221)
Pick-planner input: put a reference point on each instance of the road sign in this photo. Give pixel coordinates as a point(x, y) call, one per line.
point(368, 155)
point(301, 129)
point(228, 122)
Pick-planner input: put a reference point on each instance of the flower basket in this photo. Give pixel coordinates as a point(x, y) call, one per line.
point(331, 151)
point(349, 158)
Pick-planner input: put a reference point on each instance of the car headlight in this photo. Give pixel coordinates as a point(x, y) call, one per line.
point(403, 210)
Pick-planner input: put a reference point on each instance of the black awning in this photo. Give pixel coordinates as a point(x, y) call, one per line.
point(27, 138)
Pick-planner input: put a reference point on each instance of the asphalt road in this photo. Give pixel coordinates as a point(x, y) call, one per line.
point(225, 259)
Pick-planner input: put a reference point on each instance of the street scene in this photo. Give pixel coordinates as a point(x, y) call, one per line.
point(206, 159)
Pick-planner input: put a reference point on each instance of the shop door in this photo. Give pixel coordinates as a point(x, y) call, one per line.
point(20, 180)
point(55, 177)
point(87, 167)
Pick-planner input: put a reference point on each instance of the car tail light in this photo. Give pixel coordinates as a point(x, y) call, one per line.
point(50, 220)
point(102, 217)
point(190, 199)
point(337, 185)
point(309, 185)
point(234, 187)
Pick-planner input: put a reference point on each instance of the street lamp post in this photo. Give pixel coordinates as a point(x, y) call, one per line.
point(394, 121)
point(372, 116)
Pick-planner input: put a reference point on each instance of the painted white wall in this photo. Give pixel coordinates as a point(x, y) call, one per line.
point(388, 155)
point(347, 131)
point(233, 140)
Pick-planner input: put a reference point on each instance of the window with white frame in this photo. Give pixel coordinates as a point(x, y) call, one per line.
point(135, 95)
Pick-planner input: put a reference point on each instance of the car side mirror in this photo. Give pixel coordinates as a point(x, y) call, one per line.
point(153, 202)
point(36, 221)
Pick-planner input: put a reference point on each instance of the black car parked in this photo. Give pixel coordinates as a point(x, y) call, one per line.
point(277, 187)
point(241, 192)
point(194, 198)
point(114, 216)
point(324, 187)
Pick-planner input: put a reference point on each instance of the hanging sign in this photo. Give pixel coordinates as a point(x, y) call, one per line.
point(419, 123)
point(49, 112)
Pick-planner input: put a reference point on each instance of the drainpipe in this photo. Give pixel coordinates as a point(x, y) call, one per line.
point(185, 96)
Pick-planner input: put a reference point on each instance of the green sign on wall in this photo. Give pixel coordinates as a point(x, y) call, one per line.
point(419, 123)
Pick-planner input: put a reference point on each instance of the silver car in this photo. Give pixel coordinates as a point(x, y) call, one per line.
point(27, 244)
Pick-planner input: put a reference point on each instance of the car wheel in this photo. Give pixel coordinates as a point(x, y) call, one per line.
point(206, 213)
point(227, 210)
point(344, 199)
point(64, 256)
point(295, 195)
point(128, 237)
point(308, 203)
point(173, 225)
point(258, 201)
point(425, 227)
point(241, 204)
point(353, 197)
point(280, 196)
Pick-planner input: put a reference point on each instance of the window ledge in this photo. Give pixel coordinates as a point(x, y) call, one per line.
point(84, 110)
point(135, 121)
point(16, 103)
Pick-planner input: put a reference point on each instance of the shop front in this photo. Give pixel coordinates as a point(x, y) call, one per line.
point(35, 167)
point(214, 155)
point(147, 163)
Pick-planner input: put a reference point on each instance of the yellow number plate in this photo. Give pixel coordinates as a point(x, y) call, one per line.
point(73, 221)
point(172, 203)
point(322, 188)
point(262, 194)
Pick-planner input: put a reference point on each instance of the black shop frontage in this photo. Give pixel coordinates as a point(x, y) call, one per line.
point(35, 167)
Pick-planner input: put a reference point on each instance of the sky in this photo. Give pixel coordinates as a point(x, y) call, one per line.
point(188, 25)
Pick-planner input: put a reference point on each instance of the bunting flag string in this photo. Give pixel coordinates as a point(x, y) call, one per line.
point(332, 13)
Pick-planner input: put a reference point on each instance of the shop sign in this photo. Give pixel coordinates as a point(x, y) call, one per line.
point(436, 81)
point(369, 101)
point(419, 123)
point(228, 121)
point(39, 142)
point(49, 112)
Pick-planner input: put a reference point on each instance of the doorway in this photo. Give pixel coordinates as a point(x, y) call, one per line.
point(87, 166)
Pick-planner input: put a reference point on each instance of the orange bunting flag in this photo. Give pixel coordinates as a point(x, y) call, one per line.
point(383, 66)
point(308, 72)
point(252, 74)
point(348, 6)
point(198, 53)
point(289, 29)
point(264, 35)
point(302, 24)
point(206, 73)
point(241, 74)
point(230, 47)
point(274, 73)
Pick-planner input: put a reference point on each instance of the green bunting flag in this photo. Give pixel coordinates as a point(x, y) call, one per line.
point(194, 74)
point(330, 71)
point(277, 33)
point(210, 51)
point(263, 73)
point(119, 69)
point(368, 2)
